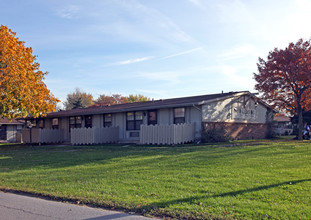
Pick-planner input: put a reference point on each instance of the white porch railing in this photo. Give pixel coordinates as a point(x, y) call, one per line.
point(79, 136)
point(167, 134)
point(42, 136)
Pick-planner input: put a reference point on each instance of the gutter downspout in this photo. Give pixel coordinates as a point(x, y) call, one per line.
point(199, 132)
point(194, 106)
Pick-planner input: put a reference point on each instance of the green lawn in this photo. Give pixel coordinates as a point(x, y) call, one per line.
point(265, 180)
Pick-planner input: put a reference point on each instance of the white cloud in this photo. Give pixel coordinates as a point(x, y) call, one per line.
point(273, 23)
point(157, 94)
point(199, 4)
point(130, 61)
point(237, 52)
point(68, 12)
point(169, 76)
point(234, 32)
point(232, 74)
point(196, 2)
point(182, 53)
point(295, 25)
point(154, 24)
point(234, 12)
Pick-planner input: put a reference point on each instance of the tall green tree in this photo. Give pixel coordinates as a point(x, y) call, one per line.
point(284, 79)
point(22, 90)
point(78, 99)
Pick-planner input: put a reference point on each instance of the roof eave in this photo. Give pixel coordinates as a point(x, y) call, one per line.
point(51, 115)
point(223, 98)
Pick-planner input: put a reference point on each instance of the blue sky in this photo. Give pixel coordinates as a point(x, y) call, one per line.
point(158, 48)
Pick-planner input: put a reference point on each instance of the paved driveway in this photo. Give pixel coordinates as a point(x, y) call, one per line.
point(13, 206)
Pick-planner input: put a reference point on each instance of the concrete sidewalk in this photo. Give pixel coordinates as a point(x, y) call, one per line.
point(13, 207)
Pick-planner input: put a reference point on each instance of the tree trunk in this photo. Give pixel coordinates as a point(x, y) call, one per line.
point(300, 122)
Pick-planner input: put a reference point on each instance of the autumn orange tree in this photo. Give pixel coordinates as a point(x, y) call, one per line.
point(22, 90)
point(284, 79)
point(104, 100)
point(114, 99)
point(137, 98)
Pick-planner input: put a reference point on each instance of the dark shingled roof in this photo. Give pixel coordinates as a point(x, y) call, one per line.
point(281, 118)
point(5, 121)
point(156, 104)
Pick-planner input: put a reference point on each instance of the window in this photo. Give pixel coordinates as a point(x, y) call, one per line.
point(75, 122)
point(72, 122)
point(19, 128)
point(88, 121)
point(134, 120)
point(3, 133)
point(179, 115)
point(130, 121)
point(152, 117)
point(107, 120)
point(28, 123)
point(33, 123)
point(55, 123)
point(78, 122)
point(40, 123)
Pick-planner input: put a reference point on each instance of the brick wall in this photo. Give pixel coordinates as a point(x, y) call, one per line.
point(241, 131)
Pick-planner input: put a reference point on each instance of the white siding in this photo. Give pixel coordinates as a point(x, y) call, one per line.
point(97, 121)
point(241, 109)
point(196, 118)
point(217, 111)
point(11, 133)
point(164, 117)
point(261, 114)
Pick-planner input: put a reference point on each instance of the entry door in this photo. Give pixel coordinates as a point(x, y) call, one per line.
point(152, 117)
point(3, 132)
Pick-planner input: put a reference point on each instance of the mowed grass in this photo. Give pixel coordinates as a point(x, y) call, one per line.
point(265, 180)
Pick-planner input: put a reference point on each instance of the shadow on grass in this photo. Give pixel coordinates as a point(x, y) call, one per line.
point(21, 157)
point(230, 194)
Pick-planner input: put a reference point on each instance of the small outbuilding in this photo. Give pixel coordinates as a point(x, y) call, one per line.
point(282, 125)
point(10, 131)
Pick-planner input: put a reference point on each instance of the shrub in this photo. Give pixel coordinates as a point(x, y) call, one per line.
point(215, 135)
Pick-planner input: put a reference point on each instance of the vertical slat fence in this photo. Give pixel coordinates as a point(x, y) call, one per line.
point(167, 134)
point(87, 136)
point(42, 136)
point(52, 136)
